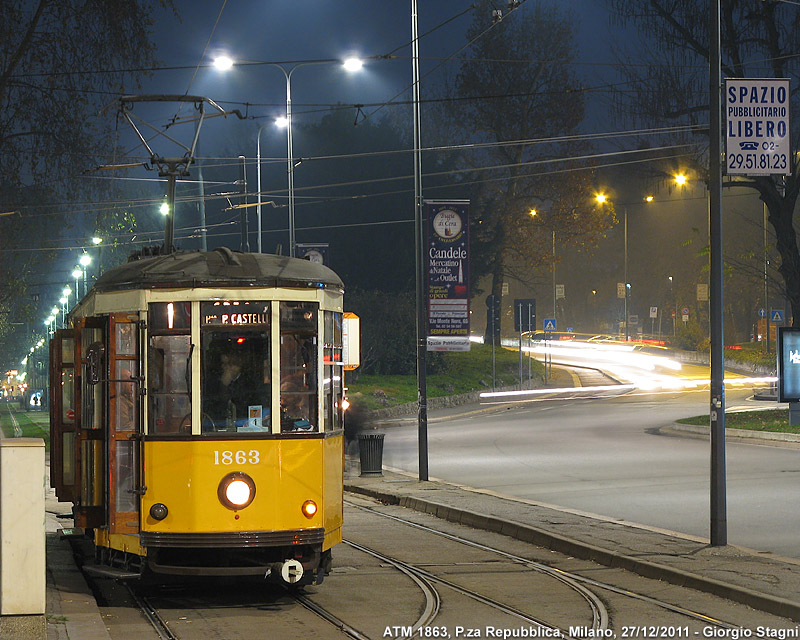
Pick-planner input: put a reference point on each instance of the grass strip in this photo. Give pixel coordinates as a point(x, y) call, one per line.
point(769, 420)
point(33, 425)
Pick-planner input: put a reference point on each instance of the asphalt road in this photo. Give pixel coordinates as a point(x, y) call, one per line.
point(604, 456)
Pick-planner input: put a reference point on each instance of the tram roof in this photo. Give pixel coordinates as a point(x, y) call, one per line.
point(220, 267)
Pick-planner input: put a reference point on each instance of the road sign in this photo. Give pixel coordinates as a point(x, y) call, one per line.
point(685, 311)
point(762, 312)
point(549, 324)
point(653, 312)
point(560, 292)
point(776, 316)
point(757, 135)
point(525, 315)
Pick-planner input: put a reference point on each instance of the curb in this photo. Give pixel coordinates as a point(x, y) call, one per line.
point(764, 437)
point(570, 546)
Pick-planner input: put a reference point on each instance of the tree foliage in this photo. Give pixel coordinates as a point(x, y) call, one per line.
point(517, 94)
point(61, 61)
point(665, 82)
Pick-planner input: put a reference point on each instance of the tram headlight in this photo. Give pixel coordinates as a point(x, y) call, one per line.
point(158, 511)
point(236, 490)
point(309, 509)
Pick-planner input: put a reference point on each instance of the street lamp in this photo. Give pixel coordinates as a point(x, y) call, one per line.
point(63, 301)
point(224, 63)
point(85, 260)
point(77, 273)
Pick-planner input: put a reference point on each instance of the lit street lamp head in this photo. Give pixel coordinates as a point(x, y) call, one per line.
point(223, 63)
point(353, 64)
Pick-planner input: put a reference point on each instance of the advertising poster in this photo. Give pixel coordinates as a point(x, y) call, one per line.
point(788, 364)
point(447, 259)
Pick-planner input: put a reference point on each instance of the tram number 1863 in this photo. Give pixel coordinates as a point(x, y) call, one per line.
point(238, 457)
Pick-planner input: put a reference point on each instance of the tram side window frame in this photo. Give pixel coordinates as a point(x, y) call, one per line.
point(169, 368)
point(299, 366)
point(333, 383)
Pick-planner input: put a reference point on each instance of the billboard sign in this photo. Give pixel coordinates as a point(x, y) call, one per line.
point(447, 265)
point(757, 130)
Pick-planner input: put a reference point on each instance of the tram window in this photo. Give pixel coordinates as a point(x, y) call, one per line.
point(125, 396)
point(298, 366)
point(332, 382)
point(67, 351)
point(68, 457)
point(68, 396)
point(166, 316)
point(236, 369)
point(93, 368)
point(170, 379)
point(126, 338)
point(124, 479)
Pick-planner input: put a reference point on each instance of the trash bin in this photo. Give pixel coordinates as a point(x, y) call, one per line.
point(370, 449)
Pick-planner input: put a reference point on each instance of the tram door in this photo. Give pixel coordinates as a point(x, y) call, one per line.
point(91, 380)
point(123, 423)
point(63, 425)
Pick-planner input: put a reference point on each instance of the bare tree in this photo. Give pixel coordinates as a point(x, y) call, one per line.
point(516, 93)
point(60, 61)
point(666, 82)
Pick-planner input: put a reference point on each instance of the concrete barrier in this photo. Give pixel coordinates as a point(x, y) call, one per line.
point(22, 527)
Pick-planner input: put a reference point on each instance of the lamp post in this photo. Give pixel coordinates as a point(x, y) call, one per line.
point(85, 261)
point(225, 63)
point(77, 273)
point(63, 301)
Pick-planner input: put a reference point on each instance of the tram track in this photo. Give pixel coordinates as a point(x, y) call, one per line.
point(150, 612)
point(579, 583)
point(422, 576)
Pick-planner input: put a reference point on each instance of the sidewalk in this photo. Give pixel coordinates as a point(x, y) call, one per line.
point(763, 581)
point(71, 611)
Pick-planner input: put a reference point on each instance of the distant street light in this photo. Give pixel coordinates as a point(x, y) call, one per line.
point(85, 261)
point(77, 273)
point(63, 301)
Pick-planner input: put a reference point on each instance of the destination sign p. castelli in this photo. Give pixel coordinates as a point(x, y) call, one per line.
point(757, 131)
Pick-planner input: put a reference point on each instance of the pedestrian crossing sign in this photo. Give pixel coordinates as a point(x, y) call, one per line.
point(776, 315)
point(549, 324)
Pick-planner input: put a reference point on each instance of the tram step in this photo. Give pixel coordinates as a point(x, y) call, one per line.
point(110, 572)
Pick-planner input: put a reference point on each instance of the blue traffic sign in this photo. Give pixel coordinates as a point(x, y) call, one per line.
point(776, 315)
point(762, 312)
point(549, 324)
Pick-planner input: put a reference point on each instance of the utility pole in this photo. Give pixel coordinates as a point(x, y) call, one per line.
point(419, 242)
point(719, 520)
point(243, 210)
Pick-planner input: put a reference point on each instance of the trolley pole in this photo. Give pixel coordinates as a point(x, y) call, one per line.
point(719, 521)
point(171, 174)
point(419, 239)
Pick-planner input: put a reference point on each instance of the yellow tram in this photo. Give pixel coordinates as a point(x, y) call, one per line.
point(197, 415)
